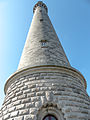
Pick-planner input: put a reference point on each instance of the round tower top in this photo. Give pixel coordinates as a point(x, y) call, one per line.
point(40, 4)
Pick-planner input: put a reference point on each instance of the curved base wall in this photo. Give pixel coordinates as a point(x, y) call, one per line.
point(40, 91)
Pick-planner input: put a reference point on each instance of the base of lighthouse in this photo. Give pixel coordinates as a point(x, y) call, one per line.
point(36, 92)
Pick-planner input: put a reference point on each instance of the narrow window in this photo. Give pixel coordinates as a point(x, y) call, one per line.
point(41, 20)
point(43, 43)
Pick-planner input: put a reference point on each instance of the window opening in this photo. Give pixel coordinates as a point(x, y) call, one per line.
point(50, 117)
point(43, 43)
point(41, 20)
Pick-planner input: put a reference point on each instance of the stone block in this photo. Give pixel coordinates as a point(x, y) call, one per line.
point(3, 109)
point(17, 90)
point(43, 99)
point(21, 106)
point(43, 88)
point(8, 102)
point(43, 74)
point(39, 77)
point(12, 96)
point(24, 112)
point(35, 99)
point(33, 111)
point(22, 96)
point(19, 118)
point(14, 114)
point(27, 100)
point(38, 104)
point(49, 96)
point(26, 91)
point(12, 109)
point(30, 105)
point(19, 93)
point(18, 83)
point(7, 116)
point(17, 102)
point(27, 117)
point(33, 117)
point(14, 99)
point(30, 95)
point(24, 88)
point(32, 78)
point(5, 112)
point(21, 85)
point(22, 78)
point(35, 89)
point(10, 105)
point(25, 80)
point(40, 85)
point(41, 93)
point(32, 86)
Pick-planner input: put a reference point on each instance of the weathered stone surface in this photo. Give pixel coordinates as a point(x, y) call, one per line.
point(5, 112)
point(7, 116)
point(41, 93)
point(27, 100)
point(35, 99)
point(43, 99)
point(17, 102)
point(49, 96)
point(30, 95)
point(22, 96)
point(24, 112)
point(20, 106)
point(12, 109)
point(14, 99)
point(28, 117)
point(58, 93)
point(33, 117)
point(41, 90)
point(19, 118)
point(38, 104)
point(30, 105)
point(34, 54)
point(14, 114)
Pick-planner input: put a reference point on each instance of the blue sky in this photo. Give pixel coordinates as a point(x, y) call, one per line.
point(71, 20)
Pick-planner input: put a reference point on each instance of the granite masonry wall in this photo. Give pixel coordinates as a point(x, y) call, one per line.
point(42, 46)
point(31, 91)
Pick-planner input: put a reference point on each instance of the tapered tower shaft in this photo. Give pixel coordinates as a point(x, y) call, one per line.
point(42, 46)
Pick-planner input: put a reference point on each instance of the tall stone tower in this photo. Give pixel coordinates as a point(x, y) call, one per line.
point(45, 86)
